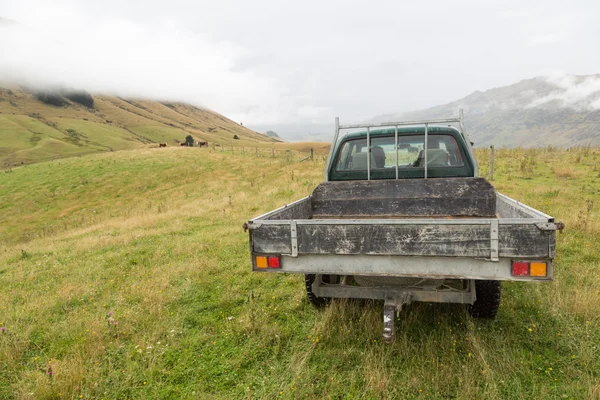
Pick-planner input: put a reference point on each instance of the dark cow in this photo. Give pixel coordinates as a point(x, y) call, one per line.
point(202, 144)
point(162, 145)
point(183, 144)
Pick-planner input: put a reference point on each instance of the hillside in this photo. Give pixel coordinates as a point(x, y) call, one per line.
point(128, 274)
point(534, 112)
point(33, 131)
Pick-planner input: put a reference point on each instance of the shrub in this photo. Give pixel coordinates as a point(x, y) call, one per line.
point(80, 97)
point(236, 137)
point(51, 98)
point(565, 172)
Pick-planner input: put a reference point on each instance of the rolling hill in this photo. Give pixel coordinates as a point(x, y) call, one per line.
point(562, 111)
point(32, 130)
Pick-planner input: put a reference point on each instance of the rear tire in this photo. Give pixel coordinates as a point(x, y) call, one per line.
point(309, 279)
point(488, 299)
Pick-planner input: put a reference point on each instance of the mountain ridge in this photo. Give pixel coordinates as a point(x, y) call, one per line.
point(561, 111)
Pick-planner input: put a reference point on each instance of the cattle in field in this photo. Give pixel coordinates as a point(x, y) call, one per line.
point(202, 144)
point(183, 144)
point(162, 145)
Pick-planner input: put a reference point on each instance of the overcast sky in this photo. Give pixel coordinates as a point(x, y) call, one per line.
point(270, 63)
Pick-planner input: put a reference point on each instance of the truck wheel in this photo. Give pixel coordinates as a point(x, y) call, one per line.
point(488, 299)
point(314, 300)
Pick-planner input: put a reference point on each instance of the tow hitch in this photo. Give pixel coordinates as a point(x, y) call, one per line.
point(391, 311)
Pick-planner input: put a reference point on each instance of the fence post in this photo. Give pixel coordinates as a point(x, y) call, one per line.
point(491, 162)
point(311, 153)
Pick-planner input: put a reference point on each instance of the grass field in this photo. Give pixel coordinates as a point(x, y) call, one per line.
point(127, 275)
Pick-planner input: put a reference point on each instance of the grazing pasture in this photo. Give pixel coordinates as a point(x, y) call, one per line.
point(127, 275)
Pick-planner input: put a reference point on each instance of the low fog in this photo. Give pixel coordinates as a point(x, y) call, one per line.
point(292, 68)
point(576, 92)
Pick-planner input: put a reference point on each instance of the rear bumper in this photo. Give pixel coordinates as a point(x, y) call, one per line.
point(423, 267)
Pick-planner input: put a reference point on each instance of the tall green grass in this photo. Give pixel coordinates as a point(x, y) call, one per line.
point(127, 275)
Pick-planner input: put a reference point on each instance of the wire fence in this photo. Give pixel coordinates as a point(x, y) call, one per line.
point(261, 152)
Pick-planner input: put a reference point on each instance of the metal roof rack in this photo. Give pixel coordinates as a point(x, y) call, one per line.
point(396, 124)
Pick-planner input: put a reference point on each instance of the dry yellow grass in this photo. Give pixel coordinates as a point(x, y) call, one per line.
point(565, 172)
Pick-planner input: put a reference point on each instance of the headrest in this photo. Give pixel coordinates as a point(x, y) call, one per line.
point(435, 158)
point(359, 161)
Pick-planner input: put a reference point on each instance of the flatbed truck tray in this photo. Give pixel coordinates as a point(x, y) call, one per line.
point(474, 248)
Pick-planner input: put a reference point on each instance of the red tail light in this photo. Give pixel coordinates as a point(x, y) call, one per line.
point(274, 262)
point(520, 268)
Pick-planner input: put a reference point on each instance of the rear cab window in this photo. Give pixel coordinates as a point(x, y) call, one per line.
point(443, 151)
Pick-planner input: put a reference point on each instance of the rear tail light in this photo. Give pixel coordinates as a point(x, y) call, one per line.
point(264, 262)
point(537, 269)
point(261, 262)
point(529, 268)
point(520, 268)
point(273, 262)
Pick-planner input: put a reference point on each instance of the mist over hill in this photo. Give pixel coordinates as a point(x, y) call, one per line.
point(560, 111)
point(300, 132)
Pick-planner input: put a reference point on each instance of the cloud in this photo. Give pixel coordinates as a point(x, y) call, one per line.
point(265, 62)
point(543, 26)
point(580, 93)
point(548, 38)
point(162, 61)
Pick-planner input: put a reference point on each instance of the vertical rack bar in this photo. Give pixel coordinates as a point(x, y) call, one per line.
point(335, 137)
point(465, 135)
point(368, 153)
point(396, 145)
point(425, 150)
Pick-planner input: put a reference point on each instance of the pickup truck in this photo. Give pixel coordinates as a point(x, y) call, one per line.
point(402, 217)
